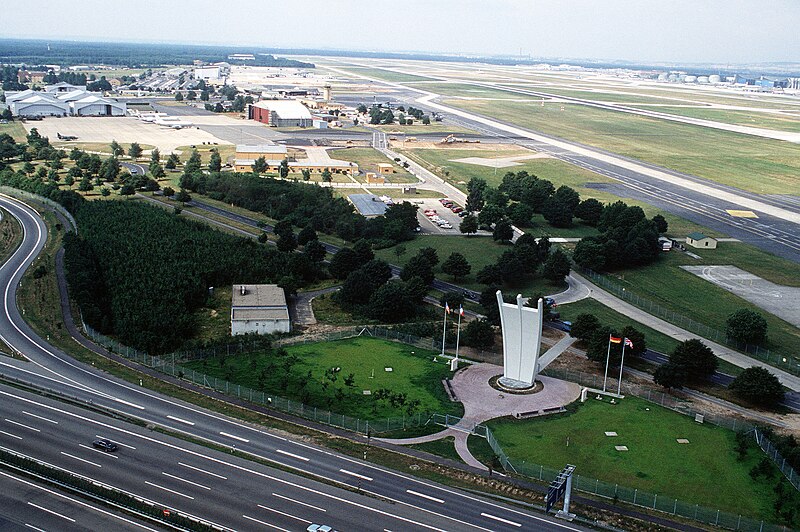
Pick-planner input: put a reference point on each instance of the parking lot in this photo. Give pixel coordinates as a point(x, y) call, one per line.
point(432, 224)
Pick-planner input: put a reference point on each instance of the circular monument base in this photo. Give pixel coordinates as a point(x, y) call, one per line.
point(514, 386)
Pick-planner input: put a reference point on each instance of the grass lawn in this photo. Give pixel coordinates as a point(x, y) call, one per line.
point(368, 160)
point(226, 151)
point(754, 164)
point(601, 96)
point(16, 130)
point(729, 116)
point(214, 318)
point(386, 75)
point(418, 128)
point(608, 316)
point(413, 373)
point(704, 471)
point(101, 147)
point(467, 90)
point(666, 284)
point(479, 251)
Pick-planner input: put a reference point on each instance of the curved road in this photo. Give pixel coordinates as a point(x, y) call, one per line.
point(51, 368)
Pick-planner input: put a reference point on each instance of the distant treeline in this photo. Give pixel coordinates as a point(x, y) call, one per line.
point(36, 52)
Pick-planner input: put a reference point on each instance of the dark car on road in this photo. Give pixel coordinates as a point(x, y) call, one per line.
point(105, 445)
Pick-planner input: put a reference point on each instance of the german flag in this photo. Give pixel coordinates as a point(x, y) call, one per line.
point(614, 340)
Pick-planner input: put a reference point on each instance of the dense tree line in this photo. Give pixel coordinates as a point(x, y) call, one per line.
point(9, 80)
point(138, 272)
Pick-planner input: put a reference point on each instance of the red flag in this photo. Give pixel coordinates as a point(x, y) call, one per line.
point(461, 311)
point(614, 339)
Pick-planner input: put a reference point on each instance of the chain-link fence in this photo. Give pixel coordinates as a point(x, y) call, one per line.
point(772, 452)
point(786, 363)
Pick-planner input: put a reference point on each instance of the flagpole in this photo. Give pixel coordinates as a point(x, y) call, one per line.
point(608, 355)
point(458, 331)
point(444, 327)
point(621, 362)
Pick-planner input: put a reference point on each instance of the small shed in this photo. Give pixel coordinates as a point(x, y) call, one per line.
point(259, 309)
point(385, 168)
point(701, 241)
point(374, 179)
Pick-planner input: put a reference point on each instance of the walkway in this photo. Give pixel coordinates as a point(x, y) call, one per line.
point(482, 403)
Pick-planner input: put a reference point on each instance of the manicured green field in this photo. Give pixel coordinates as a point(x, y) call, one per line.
point(754, 164)
point(368, 159)
point(386, 75)
point(15, 129)
point(666, 284)
point(728, 116)
point(608, 316)
point(413, 373)
point(704, 471)
point(599, 95)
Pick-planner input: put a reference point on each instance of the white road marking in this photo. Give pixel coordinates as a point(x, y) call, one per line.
point(299, 502)
point(506, 521)
point(202, 471)
point(22, 425)
point(104, 453)
point(35, 527)
point(303, 458)
point(118, 443)
point(184, 480)
point(234, 437)
point(264, 523)
point(179, 420)
point(42, 508)
point(9, 434)
point(346, 472)
point(81, 459)
point(284, 514)
point(169, 490)
point(418, 494)
point(40, 417)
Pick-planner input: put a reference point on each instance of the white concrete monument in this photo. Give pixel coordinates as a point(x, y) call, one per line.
point(522, 333)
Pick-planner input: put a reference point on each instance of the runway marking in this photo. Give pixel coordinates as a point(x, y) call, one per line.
point(81, 459)
point(118, 443)
point(284, 514)
point(40, 417)
point(22, 425)
point(506, 521)
point(42, 508)
point(303, 458)
point(9, 434)
point(346, 472)
point(184, 480)
point(202, 471)
point(179, 420)
point(264, 523)
point(299, 502)
point(418, 494)
point(169, 490)
point(235, 437)
point(104, 453)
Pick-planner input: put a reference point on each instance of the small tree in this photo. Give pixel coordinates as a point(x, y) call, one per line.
point(116, 149)
point(259, 165)
point(556, 267)
point(661, 223)
point(326, 176)
point(172, 162)
point(127, 190)
point(670, 376)
point(584, 326)
point(696, 359)
point(747, 326)
point(168, 192)
point(191, 95)
point(215, 161)
point(469, 225)
point(503, 231)
point(178, 97)
point(283, 170)
point(757, 385)
point(306, 235)
point(135, 150)
point(478, 334)
point(456, 265)
point(306, 174)
point(183, 196)
point(157, 171)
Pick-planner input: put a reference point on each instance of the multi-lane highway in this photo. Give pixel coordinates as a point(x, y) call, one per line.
point(447, 508)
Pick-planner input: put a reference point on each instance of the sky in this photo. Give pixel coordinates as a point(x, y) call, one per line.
point(671, 31)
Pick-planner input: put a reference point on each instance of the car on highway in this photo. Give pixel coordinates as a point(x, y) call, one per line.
point(105, 444)
point(319, 528)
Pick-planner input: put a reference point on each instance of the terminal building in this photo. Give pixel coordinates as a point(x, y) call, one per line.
point(280, 113)
point(259, 309)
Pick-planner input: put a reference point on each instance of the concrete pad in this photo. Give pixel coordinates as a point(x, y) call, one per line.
point(611, 433)
point(782, 301)
point(620, 448)
point(499, 162)
point(742, 214)
point(682, 440)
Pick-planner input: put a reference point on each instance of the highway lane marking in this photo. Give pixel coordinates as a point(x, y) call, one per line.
point(179, 420)
point(184, 480)
point(81, 459)
point(264, 523)
point(169, 490)
point(234, 437)
point(118, 443)
point(22, 425)
point(35, 527)
point(104, 453)
point(40, 417)
point(418, 494)
point(506, 521)
point(287, 453)
point(285, 514)
point(9, 434)
point(346, 472)
point(202, 471)
point(42, 508)
point(299, 502)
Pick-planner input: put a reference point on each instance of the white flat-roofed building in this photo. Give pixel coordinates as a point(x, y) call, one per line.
point(280, 113)
point(259, 309)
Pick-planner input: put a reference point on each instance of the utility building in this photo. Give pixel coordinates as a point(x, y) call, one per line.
point(280, 113)
point(259, 309)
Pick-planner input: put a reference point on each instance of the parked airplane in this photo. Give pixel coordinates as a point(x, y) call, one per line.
point(66, 137)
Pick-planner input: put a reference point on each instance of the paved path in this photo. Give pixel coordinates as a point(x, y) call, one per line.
point(300, 305)
point(725, 353)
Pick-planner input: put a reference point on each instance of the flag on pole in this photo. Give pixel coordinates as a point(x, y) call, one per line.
point(447, 308)
point(628, 343)
point(461, 311)
point(614, 340)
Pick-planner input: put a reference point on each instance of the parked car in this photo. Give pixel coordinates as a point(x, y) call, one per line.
point(105, 444)
point(456, 209)
point(319, 528)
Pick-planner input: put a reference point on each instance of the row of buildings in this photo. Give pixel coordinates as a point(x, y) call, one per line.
point(316, 161)
point(62, 99)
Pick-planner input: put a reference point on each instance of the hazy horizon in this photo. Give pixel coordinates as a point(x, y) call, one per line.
point(680, 31)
